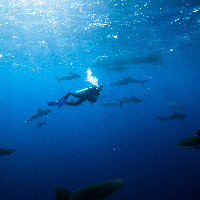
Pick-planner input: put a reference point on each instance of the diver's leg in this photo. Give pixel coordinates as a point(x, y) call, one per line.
point(74, 103)
point(67, 95)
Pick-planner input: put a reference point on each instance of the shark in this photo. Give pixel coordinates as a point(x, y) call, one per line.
point(110, 104)
point(129, 100)
point(40, 113)
point(172, 117)
point(155, 57)
point(119, 68)
point(40, 124)
point(173, 104)
point(127, 81)
point(6, 151)
point(98, 191)
point(191, 141)
point(71, 76)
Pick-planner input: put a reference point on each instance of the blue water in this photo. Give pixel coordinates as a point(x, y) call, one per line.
point(87, 144)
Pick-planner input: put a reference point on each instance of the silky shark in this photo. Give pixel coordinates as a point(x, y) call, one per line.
point(173, 104)
point(126, 81)
point(172, 117)
point(98, 191)
point(40, 113)
point(6, 151)
point(155, 57)
point(129, 100)
point(69, 77)
point(110, 104)
point(191, 141)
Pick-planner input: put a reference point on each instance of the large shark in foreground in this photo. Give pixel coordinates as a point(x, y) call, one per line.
point(155, 57)
point(172, 117)
point(40, 113)
point(191, 141)
point(6, 152)
point(98, 191)
point(126, 81)
point(69, 77)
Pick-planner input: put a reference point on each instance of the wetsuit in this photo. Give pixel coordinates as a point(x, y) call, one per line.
point(90, 94)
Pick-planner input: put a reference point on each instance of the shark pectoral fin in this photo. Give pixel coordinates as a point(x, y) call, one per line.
point(61, 193)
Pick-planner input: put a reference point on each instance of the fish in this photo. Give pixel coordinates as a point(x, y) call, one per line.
point(71, 76)
point(172, 117)
point(129, 100)
point(40, 124)
point(155, 57)
point(146, 94)
point(6, 151)
point(173, 104)
point(191, 141)
point(40, 113)
point(119, 68)
point(127, 81)
point(110, 104)
point(98, 191)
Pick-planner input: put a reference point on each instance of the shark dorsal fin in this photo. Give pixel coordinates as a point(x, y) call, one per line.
point(198, 132)
point(175, 113)
point(70, 73)
point(39, 110)
point(61, 193)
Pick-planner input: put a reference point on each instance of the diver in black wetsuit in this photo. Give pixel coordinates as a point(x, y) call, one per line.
point(89, 94)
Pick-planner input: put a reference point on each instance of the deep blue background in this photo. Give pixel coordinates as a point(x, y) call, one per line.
point(87, 144)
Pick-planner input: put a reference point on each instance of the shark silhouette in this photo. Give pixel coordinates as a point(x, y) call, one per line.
point(173, 104)
point(109, 104)
point(126, 81)
point(40, 113)
point(6, 151)
point(172, 117)
point(98, 191)
point(129, 100)
point(191, 141)
point(69, 77)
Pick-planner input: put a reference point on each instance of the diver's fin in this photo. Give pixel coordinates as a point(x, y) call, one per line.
point(61, 193)
point(54, 103)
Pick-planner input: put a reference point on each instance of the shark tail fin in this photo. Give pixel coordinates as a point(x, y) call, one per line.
point(142, 82)
point(160, 118)
point(61, 193)
point(120, 103)
point(58, 79)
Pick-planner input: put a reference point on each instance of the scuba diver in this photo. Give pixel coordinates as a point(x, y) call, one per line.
point(88, 94)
